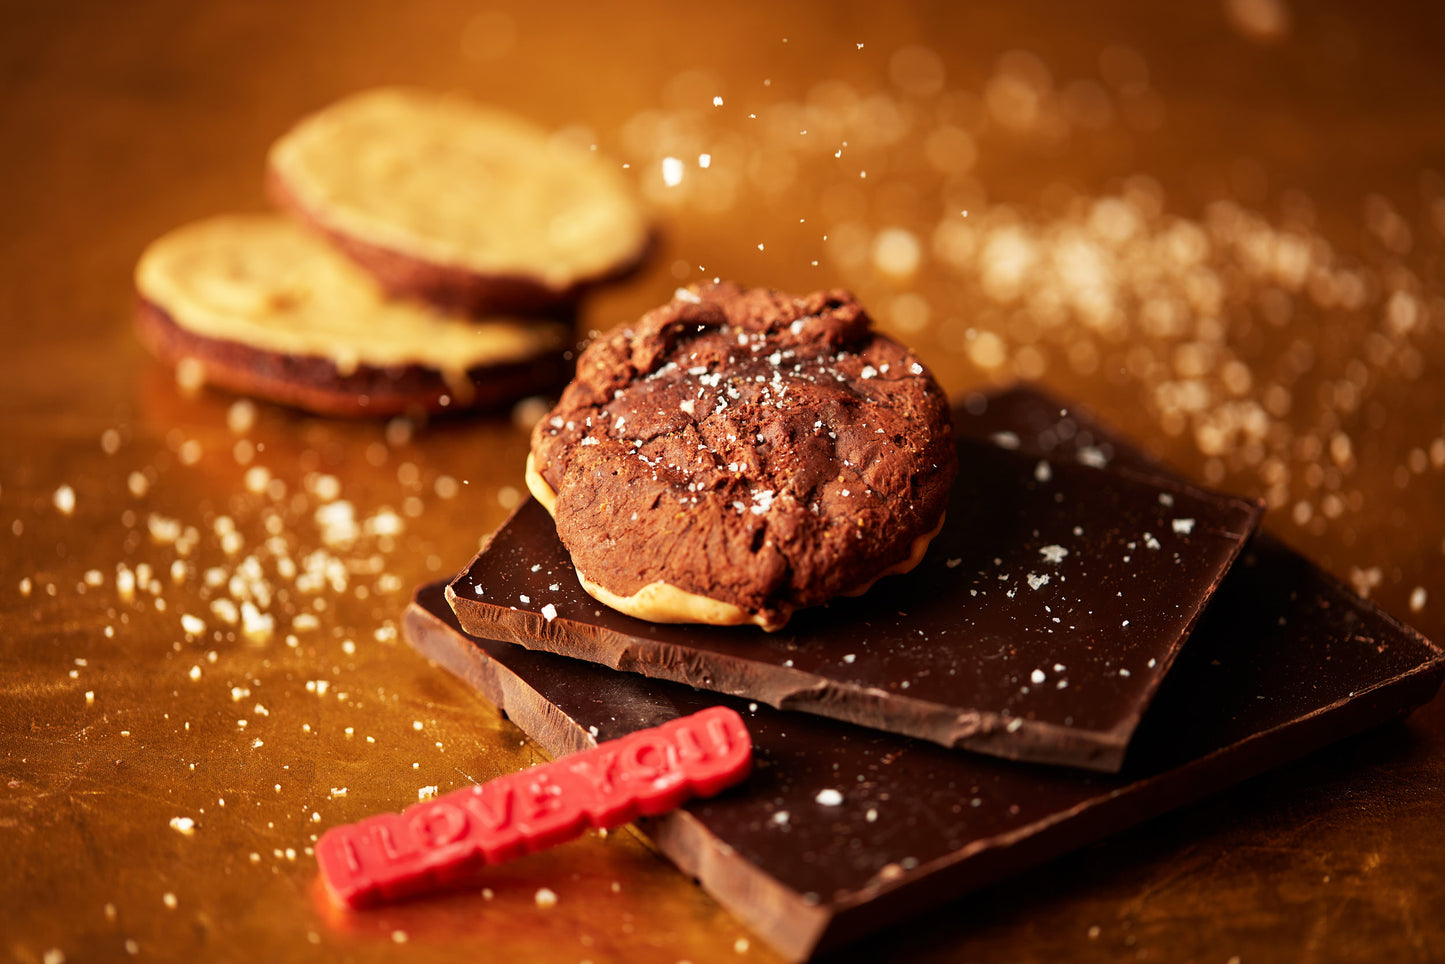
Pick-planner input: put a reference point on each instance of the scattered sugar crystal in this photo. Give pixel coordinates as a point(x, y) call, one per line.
point(385, 523)
point(183, 825)
point(190, 375)
point(226, 611)
point(64, 499)
point(1053, 553)
point(241, 416)
point(546, 898)
point(1183, 526)
point(829, 797)
point(255, 623)
point(1005, 440)
point(1037, 676)
point(426, 793)
point(325, 487)
point(897, 252)
point(337, 522)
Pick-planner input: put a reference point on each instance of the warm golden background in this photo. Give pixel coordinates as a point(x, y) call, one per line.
point(1218, 223)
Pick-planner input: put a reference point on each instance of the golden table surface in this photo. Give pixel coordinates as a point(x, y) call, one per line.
point(1216, 223)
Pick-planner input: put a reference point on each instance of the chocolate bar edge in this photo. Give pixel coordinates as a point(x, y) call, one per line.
point(980, 731)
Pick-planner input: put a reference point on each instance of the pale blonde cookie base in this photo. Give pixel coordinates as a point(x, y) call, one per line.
point(445, 180)
point(661, 602)
point(539, 488)
point(262, 281)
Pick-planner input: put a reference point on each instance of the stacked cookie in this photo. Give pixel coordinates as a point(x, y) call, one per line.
point(742, 453)
point(434, 256)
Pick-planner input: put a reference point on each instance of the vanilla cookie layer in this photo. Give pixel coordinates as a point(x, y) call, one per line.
point(264, 282)
point(447, 181)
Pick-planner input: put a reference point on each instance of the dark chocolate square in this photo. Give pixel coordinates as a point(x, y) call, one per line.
point(1038, 626)
point(1284, 661)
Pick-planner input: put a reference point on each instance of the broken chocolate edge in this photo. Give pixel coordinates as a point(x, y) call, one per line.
point(857, 704)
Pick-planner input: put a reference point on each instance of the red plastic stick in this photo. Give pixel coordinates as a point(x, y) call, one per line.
point(442, 840)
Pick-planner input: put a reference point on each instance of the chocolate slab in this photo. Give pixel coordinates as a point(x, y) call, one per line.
point(1284, 661)
point(1282, 664)
point(1038, 627)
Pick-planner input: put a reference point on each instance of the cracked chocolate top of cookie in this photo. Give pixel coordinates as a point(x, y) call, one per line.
point(763, 450)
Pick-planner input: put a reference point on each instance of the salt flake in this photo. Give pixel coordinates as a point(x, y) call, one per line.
point(1055, 553)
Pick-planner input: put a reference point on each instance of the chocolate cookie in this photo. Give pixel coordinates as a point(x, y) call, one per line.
point(260, 306)
point(463, 206)
point(740, 454)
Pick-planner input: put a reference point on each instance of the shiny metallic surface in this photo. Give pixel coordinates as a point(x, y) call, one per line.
point(1217, 225)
